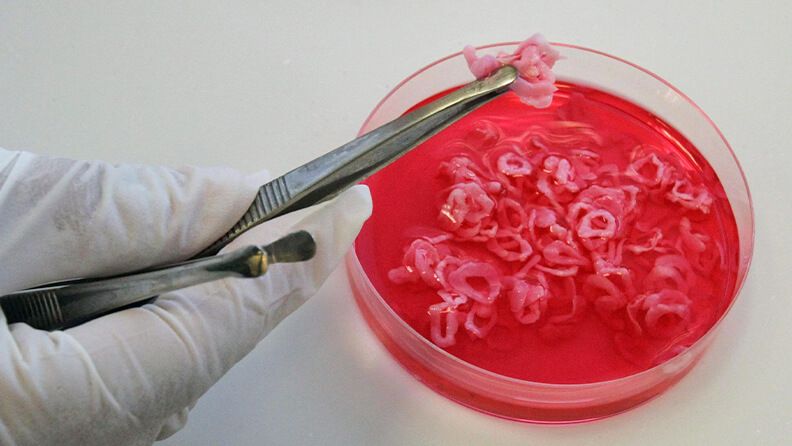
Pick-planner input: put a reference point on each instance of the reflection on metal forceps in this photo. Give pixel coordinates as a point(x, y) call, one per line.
point(68, 303)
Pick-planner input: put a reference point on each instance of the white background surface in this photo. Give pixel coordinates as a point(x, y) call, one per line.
point(255, 85)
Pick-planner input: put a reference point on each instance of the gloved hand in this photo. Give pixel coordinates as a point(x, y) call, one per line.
point(130, 377)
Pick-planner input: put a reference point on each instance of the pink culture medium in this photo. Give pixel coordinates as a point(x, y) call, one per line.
point(577, 244)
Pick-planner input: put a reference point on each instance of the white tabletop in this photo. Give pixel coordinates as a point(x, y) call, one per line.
point(258, 85)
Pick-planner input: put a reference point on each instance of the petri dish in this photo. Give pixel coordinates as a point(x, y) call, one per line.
point(533, 400)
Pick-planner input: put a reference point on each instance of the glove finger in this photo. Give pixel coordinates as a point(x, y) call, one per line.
point(158, 359)
point(92, 218)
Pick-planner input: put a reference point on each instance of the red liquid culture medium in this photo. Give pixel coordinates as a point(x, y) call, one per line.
point(579, 243)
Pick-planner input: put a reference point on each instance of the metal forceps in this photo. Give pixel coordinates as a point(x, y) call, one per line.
point(67, 303)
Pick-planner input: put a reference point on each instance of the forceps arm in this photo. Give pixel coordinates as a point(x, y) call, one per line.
point(332, 173)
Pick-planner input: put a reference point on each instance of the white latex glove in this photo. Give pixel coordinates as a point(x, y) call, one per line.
point(130, 377)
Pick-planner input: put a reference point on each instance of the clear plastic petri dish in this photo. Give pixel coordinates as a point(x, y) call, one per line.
point(524, 400)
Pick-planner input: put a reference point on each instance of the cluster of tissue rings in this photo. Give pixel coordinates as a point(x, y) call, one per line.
point(547, 218)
